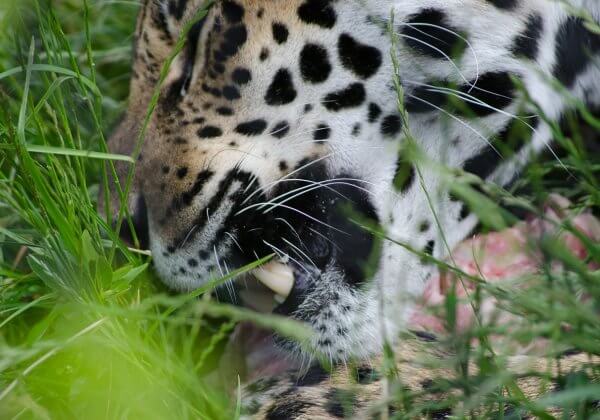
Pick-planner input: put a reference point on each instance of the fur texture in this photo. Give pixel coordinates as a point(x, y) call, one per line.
point(279, 120)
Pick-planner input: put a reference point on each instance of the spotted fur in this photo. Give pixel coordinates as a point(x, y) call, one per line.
point(423, 370)
point(279, 119)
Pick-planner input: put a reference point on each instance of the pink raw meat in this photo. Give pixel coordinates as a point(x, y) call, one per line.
point(493, 257)
point(502, 256)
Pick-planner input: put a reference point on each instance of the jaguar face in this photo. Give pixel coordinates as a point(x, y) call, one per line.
point(275, 134)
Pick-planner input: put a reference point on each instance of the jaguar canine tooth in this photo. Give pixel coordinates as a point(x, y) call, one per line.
point(277, 277)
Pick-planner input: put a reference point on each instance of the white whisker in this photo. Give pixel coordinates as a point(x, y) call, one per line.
point(454, 117)
point(285, 255)
point(451, 61)
point(291, 228)
point(308, 216)
point(467, 97)
point(465, 40)
point(234, 241)
point(312, 185)
point(316, 232)
point(187, 236)
point(299, 252)
point(228, 284)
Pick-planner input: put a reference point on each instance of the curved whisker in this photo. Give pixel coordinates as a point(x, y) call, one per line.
point(458, 35)
point(295, 171)
point(284, 255)
point(454, 117)
point(446, 56)
point(314, 219)
point(299, 252)
point(467, 98)
point(311, 186)
point(288, 224)
point(272, 203)
point(316, 232)
point(234, 241)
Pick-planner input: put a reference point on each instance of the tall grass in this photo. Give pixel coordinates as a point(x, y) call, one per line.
point(86, 330)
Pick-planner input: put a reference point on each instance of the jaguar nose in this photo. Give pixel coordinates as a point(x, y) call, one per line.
point(139, 218)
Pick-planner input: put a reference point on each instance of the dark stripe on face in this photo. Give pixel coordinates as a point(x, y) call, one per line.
point(223, 190)
point(182, 84)
point(186, 198)
point(246, 227)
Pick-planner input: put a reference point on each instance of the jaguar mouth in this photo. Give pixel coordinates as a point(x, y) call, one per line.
point(278, 287)
point(278, 277)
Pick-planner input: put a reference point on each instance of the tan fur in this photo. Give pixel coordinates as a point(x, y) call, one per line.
point(152, 48)
point(417, 364)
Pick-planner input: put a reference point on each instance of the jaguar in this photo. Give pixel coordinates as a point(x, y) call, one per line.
point(303, 129)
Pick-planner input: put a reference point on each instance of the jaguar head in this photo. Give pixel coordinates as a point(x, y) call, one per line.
point(274, 134)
